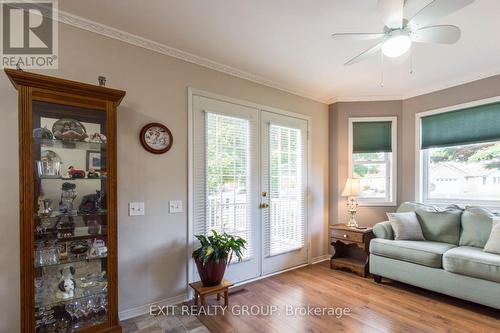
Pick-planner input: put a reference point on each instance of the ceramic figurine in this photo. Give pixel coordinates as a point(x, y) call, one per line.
point(42, 133)
point(92, 202)
point(69, 129)
point(75, 173)
point(97, 138)
point(66, 175)
point(92, 173)
point(98, 249)
point(66, 283)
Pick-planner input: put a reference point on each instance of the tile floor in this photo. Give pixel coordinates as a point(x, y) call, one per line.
point(163, 324)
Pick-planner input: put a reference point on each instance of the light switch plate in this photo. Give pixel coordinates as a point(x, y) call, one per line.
point(136, 208)
point(175, 206)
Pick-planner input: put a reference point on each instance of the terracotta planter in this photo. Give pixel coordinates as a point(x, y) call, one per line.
point(212, 273)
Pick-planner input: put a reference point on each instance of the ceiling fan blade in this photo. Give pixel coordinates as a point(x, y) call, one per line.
point(441, 34)
point(365, 54)
point(435, 10)
point(391, 12)
point(357, 36)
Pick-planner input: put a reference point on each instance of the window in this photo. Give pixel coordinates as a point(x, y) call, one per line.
point(458, 165)
point(462, 172)
point(372, 158)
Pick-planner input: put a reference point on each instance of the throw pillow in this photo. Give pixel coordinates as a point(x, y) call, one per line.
point(476, 226)
point(493, 244)
point(405, 226)
point(441, 226)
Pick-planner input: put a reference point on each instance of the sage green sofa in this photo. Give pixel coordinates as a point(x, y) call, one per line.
point(451, 259)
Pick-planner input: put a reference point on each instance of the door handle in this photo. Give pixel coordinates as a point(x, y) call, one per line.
point(264, 205)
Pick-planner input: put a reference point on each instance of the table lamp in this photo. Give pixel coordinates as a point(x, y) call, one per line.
point(351, 191)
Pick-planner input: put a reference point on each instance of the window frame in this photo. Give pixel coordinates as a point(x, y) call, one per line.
point(421, 157)
point(391, 200)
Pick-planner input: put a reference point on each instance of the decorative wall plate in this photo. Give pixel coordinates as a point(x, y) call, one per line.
point(156, 138)
point(69, 129)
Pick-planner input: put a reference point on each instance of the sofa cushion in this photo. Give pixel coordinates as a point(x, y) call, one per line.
point(472, 261)
point(418, 252)
point(476, 226)
point(405, 226)
point(493, 244)
point(409, 206)
point(438, 225)
point(442, 226)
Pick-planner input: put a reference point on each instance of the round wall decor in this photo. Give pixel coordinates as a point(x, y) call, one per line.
point(156, 138)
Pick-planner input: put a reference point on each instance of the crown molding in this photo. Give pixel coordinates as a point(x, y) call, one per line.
point(452, 83)
point(419, 92)
point(104, 30)
point(365, 98)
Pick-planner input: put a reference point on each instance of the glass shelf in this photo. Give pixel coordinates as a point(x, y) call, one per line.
point(80, 233)
point(74, 213)
point(71, 179)
point(79, 295)
point(81, 145)
point(72, 261)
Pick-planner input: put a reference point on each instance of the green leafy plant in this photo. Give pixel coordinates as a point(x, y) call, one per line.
point(219, 247)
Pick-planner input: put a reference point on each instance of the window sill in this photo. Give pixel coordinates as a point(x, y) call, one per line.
point(376, 204)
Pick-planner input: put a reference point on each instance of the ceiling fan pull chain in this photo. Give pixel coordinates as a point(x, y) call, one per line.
point(411, 61)
point(381, 69)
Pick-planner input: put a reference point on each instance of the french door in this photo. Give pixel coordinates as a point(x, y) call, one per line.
point(249, 179)
point(283, 195)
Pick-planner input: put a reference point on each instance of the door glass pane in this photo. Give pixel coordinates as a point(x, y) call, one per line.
point(228, 176)
point(70, 221)
point(286, 197)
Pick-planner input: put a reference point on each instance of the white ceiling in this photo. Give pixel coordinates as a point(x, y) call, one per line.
point(287, 42)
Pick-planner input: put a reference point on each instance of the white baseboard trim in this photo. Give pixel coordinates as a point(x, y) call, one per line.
point(143, 309)
point(319, 259)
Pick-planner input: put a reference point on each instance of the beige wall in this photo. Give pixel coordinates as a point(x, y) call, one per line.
point(152, 249)
point(477, 90)
point(338, 136)
point(405, 110)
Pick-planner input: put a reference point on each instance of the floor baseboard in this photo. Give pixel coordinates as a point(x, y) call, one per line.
point(319, 259)
point(143, 309)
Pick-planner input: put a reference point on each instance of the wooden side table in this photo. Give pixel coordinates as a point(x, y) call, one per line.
point(351, 248)
point(202, 292)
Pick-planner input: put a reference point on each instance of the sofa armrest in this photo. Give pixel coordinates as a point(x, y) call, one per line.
point(383, 230)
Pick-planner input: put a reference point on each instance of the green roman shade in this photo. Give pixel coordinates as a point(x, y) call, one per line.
point(371, 136)
point(472, 125)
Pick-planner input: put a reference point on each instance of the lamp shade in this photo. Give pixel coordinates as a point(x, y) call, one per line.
point(351, 188)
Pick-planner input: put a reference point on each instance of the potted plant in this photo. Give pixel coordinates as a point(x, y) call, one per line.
point(214, 254)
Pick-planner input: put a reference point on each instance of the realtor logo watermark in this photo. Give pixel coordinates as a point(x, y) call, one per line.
point(29, 34)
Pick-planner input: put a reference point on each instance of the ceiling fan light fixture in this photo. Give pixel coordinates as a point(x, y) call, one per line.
point(396, 46)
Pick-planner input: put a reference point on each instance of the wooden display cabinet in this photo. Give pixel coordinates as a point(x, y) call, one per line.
point(68, 224)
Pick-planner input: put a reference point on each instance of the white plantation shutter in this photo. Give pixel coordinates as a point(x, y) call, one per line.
point(284, 220)
point(222, 177)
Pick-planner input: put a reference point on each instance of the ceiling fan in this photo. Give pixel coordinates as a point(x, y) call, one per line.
point(400, 32)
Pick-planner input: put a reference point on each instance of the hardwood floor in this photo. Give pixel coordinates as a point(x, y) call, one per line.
point(386, 307)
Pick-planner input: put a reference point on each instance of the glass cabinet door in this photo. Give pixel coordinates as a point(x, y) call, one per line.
point(70, 221)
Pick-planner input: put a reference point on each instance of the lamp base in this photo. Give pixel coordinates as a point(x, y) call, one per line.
point(352, 206)
point(352, 222)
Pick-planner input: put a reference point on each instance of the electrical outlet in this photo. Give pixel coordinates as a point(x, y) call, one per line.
point(136, 208)
point(175, 206)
